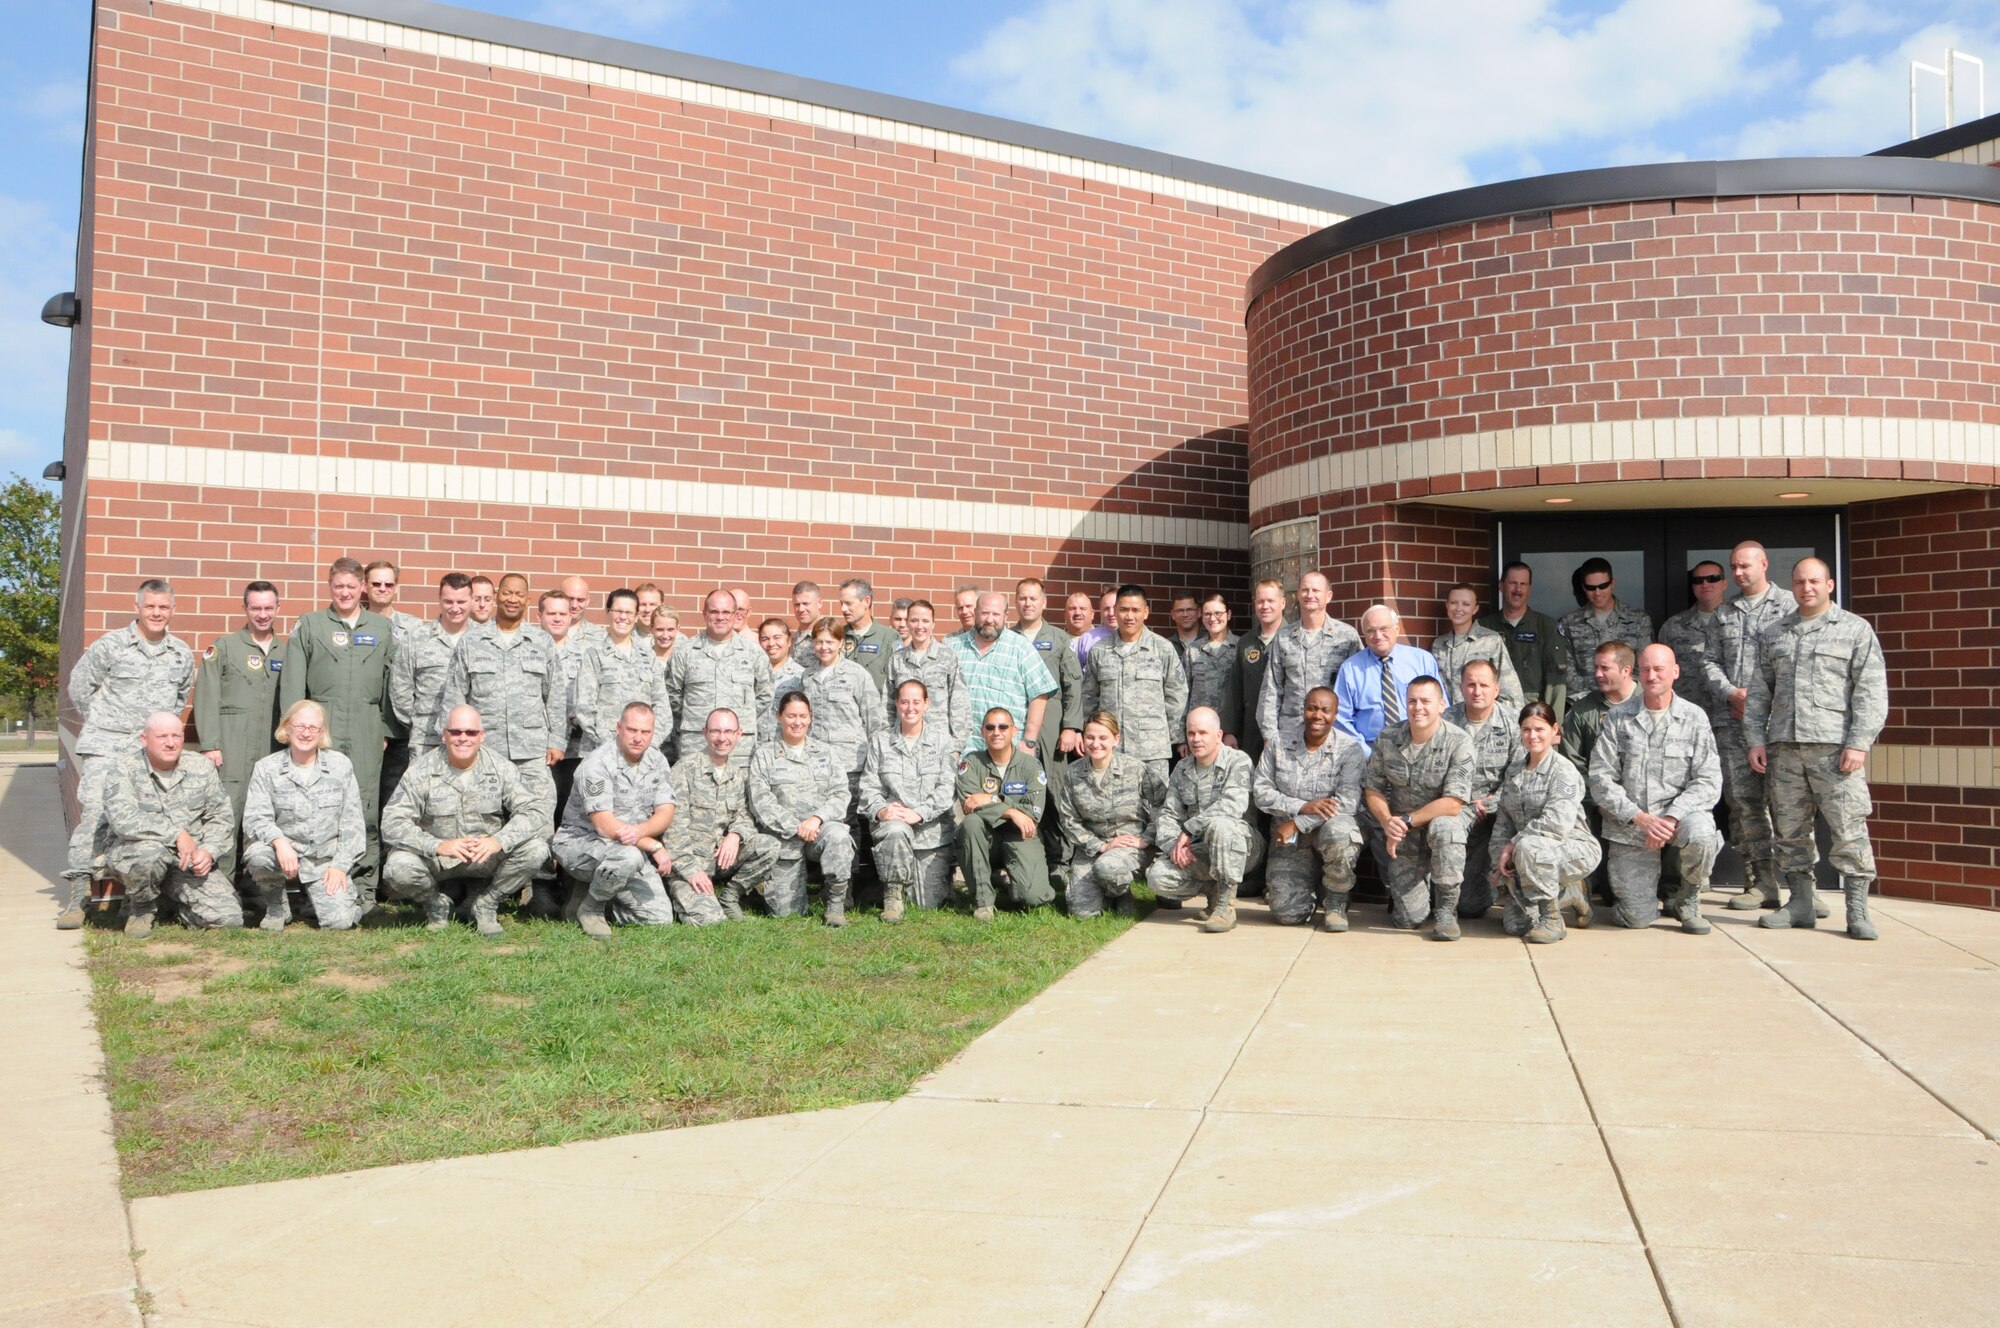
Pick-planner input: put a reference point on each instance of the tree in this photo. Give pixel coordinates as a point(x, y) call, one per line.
point(30, 562)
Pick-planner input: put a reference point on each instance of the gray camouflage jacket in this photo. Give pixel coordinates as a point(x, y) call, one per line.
point(1289, 775)
point(921, 773)
point(790, 785)
point(437, 801)
point(1300, 661)
point(416, 680)
point(1199, 796)
point(1496, 750)
point(120, 680)
point(1585, 632)
point(518, 684)
point(144, 808)
point(1122, 799)
point(1143, 684)
point(1659, 762)
point(316, 807)
point(1736, 643)
point(1409, 774)
point(1819, 680)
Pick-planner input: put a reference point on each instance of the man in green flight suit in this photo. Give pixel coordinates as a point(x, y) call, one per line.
point(236, 701)
point(339, 656)
point(1002, 792)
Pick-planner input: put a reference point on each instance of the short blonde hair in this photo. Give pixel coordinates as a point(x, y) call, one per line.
point(283, 733)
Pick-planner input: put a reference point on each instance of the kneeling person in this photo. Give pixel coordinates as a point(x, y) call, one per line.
point(715, 846)
point(302, 823)
point(1542, 843)
point(464, 817)
point(1310, 786)
point(907, 788)
point(166, 821)
point(612, 835)
point(1656, 779)
point(1002, 792)
point(1108, 803)
point(1419, 779)
point(1204, 828)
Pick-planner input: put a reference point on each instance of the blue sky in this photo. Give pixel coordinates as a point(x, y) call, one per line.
point(1390, 99)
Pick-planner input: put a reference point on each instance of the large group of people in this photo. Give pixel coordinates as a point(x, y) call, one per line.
point(512, 748)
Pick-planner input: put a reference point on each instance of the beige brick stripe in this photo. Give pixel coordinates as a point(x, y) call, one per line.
point(1643, 440)
point(392, 36)
point(209, 467)
point(1943, 767)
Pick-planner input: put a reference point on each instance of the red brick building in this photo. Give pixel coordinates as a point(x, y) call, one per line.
point(385, 277)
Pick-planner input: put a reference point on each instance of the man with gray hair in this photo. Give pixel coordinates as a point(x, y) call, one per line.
point(139, 670)
point(1372, 681)
point(166, 820)
point(869, 643)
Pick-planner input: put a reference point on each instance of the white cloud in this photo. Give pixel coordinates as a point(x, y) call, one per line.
point(612, 17)
point(1863, 103)
point(57, 106)
point(1853, 18)
point(1392, 99)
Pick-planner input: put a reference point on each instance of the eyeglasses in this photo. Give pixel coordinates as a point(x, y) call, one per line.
point(1593, 589)
point(463, 733)
point(1708, 580)
point(996, 728)
point(382, 585)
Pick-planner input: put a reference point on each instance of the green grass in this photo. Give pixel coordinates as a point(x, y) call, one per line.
point(237, 1057)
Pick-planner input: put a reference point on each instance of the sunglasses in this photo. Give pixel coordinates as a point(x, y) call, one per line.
point(1593, 589)
point(463, 733)
point(1708, 580)
point(996, 728)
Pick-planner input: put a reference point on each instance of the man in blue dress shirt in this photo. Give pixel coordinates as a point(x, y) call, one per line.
point(1371, 684)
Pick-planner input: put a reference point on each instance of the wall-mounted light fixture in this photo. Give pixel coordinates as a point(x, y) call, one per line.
point(55, 471)
point(63, 310)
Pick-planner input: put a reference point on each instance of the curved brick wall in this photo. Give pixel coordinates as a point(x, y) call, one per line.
point(1854, 307)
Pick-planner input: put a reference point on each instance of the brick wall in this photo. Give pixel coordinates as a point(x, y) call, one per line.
point(307, 245)
point(1405, 556)
point(1807, 306)
point(1926, 573)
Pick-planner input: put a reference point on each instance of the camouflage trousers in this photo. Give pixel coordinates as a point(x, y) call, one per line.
point(1431, 854)
point(1543, 869)
point(1225, 851)
point(620, 876)
point(333, 911)
point(833, 851)
point(82, 864)
point(416, 877)
point(755, 856)
point(1327, 853)
point(1747, 795)
point(1096, 877)
point(923, 874)
point(150, 871)
point(1635, 869)
point(1805, 778)
point(1476, 894)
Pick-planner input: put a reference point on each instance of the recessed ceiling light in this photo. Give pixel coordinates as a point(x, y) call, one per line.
point(1796, 493)
point(1560, 501)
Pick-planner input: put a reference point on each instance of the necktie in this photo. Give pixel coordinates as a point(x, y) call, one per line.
point(1392, 705)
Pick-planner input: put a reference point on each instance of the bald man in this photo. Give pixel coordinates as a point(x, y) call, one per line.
point(1203, 832)
point(166, 820)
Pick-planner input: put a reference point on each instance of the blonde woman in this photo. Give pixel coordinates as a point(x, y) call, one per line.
point(302, 824)
point(1107, 804)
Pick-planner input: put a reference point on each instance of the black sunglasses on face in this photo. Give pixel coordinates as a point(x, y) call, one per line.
point(1706, 580)
point(1593, 589)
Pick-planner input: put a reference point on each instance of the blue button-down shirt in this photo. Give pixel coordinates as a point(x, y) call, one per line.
point(1358, 685)
point(1089, 639)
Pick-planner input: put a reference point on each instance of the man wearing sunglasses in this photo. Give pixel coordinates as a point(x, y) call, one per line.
point(1601, 617)
point(1687, 634)
point(463, 819)
point(1003, 791)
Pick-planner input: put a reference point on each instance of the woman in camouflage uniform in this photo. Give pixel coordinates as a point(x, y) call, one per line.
point(1542, 845)
point(908, 786)
point(799, 795)
point(1107, 803)
point(302, 822)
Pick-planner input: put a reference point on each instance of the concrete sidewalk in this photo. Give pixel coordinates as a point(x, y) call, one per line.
point(1271, 1127)
point(65, 1248)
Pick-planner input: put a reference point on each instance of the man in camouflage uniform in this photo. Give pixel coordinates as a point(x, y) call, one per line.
point(870, 642)
point(464, 817)
point(510, 673)
point(124, 676)
point(719, 671)
point(1817, 703)
point(1688, 633)
point(1534, 641)
point(1309, 784)
point(1464, 641)
point(714, 846)
point(236, 700)
point(1655, 778)
point(416, 678)
point(1600, 617)
point(166, 820)
point(613, 670)
point(1062, 717)
point(1185, 617)
point(1611, 666)
point(1204, 836)
point(1137, 676)
point(1003, 793)
point(1419, 779)
point(1496, 754)
point(576, 591)
point(379, 582)
point(1304, 655)
point(340, 656)
point(613, 836)
point(1729, 667)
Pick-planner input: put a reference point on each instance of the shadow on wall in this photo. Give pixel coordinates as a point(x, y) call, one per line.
point(1182, 495)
